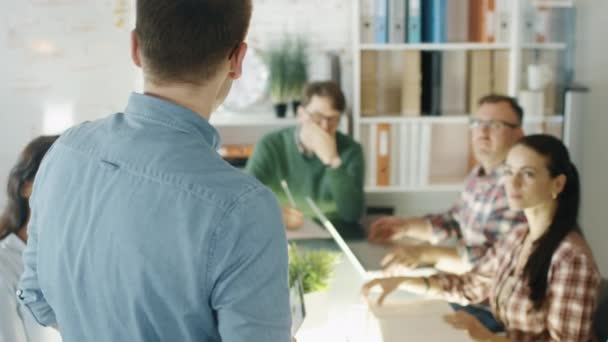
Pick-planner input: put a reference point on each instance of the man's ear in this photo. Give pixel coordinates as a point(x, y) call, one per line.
point(135, 49)
point(236, 60)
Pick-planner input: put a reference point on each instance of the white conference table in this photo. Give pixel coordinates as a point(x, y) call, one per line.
point(340, 314)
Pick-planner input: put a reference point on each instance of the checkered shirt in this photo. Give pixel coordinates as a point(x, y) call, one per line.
point(479, 217)
point(573, 285)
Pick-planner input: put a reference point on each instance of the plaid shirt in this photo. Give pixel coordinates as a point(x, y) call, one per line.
point(480, 217)
point(573, 286)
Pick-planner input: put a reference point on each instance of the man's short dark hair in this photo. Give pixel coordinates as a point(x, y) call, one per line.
point(511, 101)
point(185, 40)
point(325, 89)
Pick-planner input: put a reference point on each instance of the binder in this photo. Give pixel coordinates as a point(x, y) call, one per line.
point(411, 86)
point(431, 82)
point(397, 21)
point(383, 154)
point(500, 72)
point(480, 80)
point(414, 21)
point(369, 83)
point(503, 22)
point(381, 22)
point(390, 68)
point(454, 83)
point(367, 21)
point(434, 21)
point(457, 16)
point(482, 18)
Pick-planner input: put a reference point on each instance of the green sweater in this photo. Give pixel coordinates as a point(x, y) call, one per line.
point(338, 192)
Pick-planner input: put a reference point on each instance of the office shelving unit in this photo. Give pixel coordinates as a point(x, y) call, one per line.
point(432, 153)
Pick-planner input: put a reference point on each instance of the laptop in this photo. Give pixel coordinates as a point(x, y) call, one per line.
point(364, 256)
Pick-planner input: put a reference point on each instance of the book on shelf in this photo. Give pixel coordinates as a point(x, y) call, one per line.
point(503, 21)
point(411, 90)
point(397, 21)
point(381, 21)
point(434, 21)
point(457, 17)
point(479, 76)
point(383, 154)
point(367, 21)
point(482, 22)
point(414, 21)
point(431, 82)
point(454, 83)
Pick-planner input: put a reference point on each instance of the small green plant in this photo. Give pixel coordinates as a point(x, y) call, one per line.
point(288, 65)
point(315, 267)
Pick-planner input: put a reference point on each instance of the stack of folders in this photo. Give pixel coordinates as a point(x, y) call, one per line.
point(440, 21)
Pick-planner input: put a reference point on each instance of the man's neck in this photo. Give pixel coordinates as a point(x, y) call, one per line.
point(199, 99)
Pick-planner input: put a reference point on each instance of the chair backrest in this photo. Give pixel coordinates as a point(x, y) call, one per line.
point(601, 315)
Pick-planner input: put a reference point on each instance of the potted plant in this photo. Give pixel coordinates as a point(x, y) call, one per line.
point(298, 71)
point(315, 269)
point(278, 64)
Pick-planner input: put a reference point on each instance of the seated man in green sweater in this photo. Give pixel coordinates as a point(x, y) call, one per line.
point(314, 159)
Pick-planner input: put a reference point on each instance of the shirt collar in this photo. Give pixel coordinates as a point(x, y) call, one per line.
point(14, 243)
point(173, 115)
point(479, 171)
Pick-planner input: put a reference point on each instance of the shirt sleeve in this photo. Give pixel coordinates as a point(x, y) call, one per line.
point(11, 324)
point(446, 225)
point(29, 292)
point(472, 287)
point(573, 292)
point(261, 164)
point(249, 284)
point(346, 183)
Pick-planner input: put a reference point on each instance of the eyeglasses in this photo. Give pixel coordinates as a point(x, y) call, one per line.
point(318, 118)
point(494, 125)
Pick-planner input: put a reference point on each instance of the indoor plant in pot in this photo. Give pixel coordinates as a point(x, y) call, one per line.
point(277, 58)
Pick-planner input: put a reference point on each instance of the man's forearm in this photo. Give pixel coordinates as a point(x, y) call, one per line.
point(419, 228)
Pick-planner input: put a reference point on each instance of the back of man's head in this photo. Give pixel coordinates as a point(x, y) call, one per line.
point(186, 40)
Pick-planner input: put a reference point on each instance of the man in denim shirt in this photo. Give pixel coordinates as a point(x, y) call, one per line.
point(139, 230)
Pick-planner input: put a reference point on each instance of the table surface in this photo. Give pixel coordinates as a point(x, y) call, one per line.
point(341, 314)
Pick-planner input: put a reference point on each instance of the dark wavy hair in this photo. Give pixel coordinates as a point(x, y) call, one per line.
point(566, 215)
point(17, 209)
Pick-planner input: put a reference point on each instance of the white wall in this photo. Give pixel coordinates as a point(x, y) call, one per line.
point(66, 57)
point(591, 61)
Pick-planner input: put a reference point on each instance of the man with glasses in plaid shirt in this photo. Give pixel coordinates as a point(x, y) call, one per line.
point(481, 214)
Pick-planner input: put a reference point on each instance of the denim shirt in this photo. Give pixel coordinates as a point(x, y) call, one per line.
point(141, 232)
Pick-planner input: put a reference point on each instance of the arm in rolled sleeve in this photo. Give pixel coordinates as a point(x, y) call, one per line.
point(471, 287)
point(446, 225)
point(29, 292)
point(572, 292)
point(346, 184)
point(249, 284)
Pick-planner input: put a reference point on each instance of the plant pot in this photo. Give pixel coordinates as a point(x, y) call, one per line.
point(294, 106)
point(280, 110)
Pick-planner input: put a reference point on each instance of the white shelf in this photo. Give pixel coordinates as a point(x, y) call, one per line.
point(545, 46)
point(458, 46)
point(434, 46)
point(455, 119)
point(224, 119)
point(414, 119)
point(425, 188)
point(554, 3)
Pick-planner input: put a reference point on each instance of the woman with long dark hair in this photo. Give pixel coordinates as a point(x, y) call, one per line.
point(541, 279)
point(16, 322)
